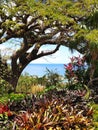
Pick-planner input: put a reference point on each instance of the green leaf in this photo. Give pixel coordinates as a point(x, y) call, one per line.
point(92, 38)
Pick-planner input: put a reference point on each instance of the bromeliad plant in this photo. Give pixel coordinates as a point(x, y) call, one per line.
point(63, 110)
point(76, 72)
point(55, 116)
point(58, 112)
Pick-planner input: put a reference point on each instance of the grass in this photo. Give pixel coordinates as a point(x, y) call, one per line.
point(37, 89)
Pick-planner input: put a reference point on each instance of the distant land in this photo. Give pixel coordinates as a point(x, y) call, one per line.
point(40, 69)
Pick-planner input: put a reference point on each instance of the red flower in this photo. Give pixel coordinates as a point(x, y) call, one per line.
point(69, 67)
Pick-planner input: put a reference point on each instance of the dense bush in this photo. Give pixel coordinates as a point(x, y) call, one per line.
point(63, 110)
point(25, 82)
point(76, 73)
point(11, 97)
point(5, 87)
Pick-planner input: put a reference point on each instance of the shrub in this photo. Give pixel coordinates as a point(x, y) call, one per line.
point(61, 110)
point(5, 87)
point(24, 83)
point(55, 116)
point(77, 73)
point(5, 115)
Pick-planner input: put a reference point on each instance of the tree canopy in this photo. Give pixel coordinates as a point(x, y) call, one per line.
point(71, 23)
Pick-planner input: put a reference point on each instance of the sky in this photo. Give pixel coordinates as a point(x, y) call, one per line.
point(62, 56)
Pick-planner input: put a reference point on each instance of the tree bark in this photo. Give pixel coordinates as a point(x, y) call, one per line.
point(13, 82)
point(10, 77)
point(10, 74)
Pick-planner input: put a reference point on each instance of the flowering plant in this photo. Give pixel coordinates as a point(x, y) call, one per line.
point(76, 71)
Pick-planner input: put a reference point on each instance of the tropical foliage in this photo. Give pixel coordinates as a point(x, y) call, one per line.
point(47, 103)
point(63, 110)
point(40, 23)
point(77, 72)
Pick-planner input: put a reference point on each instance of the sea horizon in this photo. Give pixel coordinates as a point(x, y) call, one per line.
point(40, 69)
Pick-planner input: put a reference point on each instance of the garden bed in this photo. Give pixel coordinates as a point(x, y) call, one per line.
point(54, 110)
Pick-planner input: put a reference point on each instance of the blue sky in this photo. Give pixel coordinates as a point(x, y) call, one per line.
point(61, 56)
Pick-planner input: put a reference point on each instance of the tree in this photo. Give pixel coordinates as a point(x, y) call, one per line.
point(38, 23)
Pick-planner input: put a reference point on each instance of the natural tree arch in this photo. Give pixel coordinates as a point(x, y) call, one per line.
point(38, 23)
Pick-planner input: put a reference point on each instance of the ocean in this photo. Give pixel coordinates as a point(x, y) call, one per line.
point(40, 69)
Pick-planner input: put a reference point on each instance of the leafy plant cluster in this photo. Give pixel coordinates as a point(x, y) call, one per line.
point(5, 115)
point(77, 72)
point(11, 97)
point(27, 83)
point(62, 110)
point(5, 87)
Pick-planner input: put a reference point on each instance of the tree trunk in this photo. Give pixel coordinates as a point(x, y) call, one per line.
point(94, 65)
point(13, 82)
point(10, 76)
